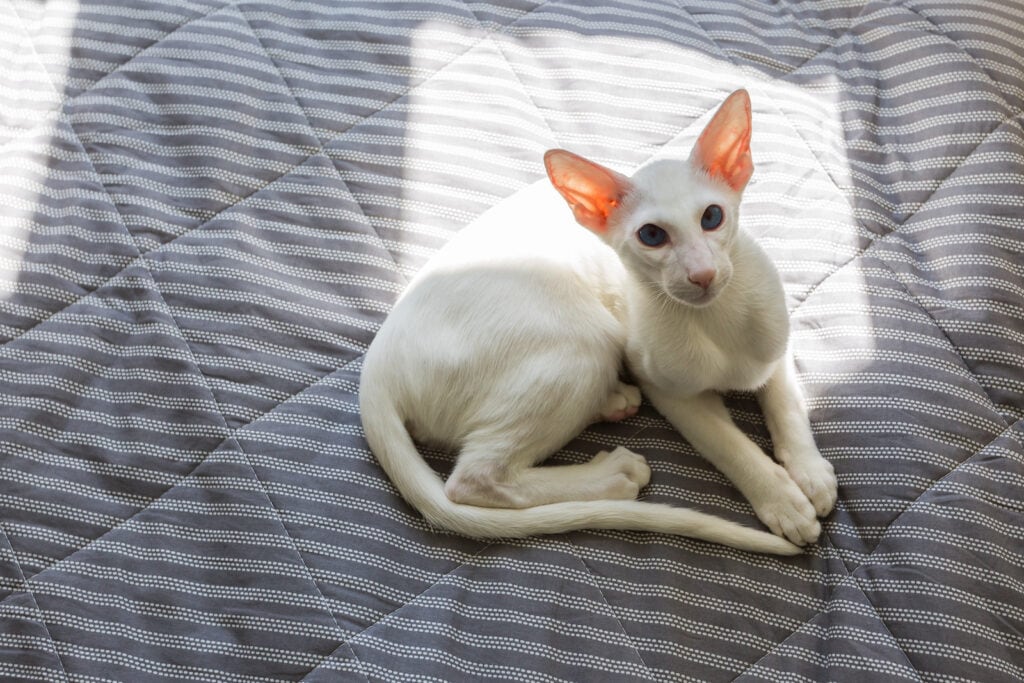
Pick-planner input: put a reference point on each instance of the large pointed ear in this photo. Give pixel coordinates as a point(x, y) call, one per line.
point(592, 191)
point(723, 149)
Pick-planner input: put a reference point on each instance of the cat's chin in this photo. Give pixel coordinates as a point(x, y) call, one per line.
point(694, 299)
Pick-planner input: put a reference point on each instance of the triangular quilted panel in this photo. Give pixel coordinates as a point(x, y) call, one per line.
point(172, 156)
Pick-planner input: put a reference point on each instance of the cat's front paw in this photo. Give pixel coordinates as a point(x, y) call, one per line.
point(817, 479)
point(785, 509)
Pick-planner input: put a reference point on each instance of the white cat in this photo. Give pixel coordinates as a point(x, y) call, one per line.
point(509, 342)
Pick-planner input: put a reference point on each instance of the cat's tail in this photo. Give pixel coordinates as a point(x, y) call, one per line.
point(421, 486)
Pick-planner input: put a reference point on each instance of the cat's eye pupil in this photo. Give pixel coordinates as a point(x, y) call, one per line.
point(651, 235)
point(712, 218)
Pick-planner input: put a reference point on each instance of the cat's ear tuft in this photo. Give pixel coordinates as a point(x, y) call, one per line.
point(723, 149)
point(592, 191)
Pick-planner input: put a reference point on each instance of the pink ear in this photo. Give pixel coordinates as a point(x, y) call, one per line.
point(592, 191)
point(723, 149)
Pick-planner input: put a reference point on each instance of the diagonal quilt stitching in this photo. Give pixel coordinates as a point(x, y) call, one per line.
point(968, 374)
point(195, 362)
point(941, 183)
point(242, 201)
point(66, 120)
point(484, 547)
point(938, 184)
point(810, 150)
point(143, 254)
point(872, 245)
point(322, 145)
point(141, 260)
point(156, 500)
point(366, 221)
point(892, 234)
point(487, 35)
point(352, 656)
point(1008, 431)
point(467, 563)
point(881, 620)
point(28, 589)
point(871, 236)
point(519, 80)
point(156, 42)
point(1016, 430)
point(611, 610)
point(722, 52)
point(323, 380)
point(228, 436)
point(729, 55)
point(831, 551)
point(428, 588)
point(875, 245)
point(344, 365)
point(464, 563)
point(938, 30)
point(412, 88)
point(35, 51)
point(967, 368)
point(469, 6)
point(540, 110)
point(309, 575)
point(851, 582)
point(277, 68)
point(319, 149)
point(511, 67)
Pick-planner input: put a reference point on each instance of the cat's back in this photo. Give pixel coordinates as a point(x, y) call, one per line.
point(531, 231)
point(522, 258)
point(521, 275)
point(515, 300)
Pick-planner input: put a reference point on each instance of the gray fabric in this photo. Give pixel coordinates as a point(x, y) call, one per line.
point(207, 208)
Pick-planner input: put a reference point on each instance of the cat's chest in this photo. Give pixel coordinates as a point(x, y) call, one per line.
point(688, 357)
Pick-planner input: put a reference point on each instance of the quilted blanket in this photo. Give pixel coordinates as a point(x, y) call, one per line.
point(207, 208)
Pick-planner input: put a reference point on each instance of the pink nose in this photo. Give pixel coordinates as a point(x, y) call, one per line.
point(702, 278)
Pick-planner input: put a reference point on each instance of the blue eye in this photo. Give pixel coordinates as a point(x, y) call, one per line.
point(651, 235)
point(712, 218)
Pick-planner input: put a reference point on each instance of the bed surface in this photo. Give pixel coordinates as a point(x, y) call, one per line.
point(207, 208)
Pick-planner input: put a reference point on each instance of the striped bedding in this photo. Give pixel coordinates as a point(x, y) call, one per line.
point(208, 207)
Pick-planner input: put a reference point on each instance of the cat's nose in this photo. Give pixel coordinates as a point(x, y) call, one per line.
point(702, 278)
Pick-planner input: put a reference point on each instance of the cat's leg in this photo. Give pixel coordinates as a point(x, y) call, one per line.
point(497, 472)
point(551, 396)
point(786, 416)
point(622, 403)
point(705, 422)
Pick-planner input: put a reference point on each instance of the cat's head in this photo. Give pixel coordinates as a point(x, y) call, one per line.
point(674, 221)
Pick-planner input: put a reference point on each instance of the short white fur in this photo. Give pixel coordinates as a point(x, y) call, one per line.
point(509, 342)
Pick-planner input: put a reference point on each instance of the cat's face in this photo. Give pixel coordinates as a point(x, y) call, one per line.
point(675, 230)
point(674, 221)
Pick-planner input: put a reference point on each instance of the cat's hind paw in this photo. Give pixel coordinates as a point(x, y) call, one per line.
point(623, 471)
point(622, 403)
